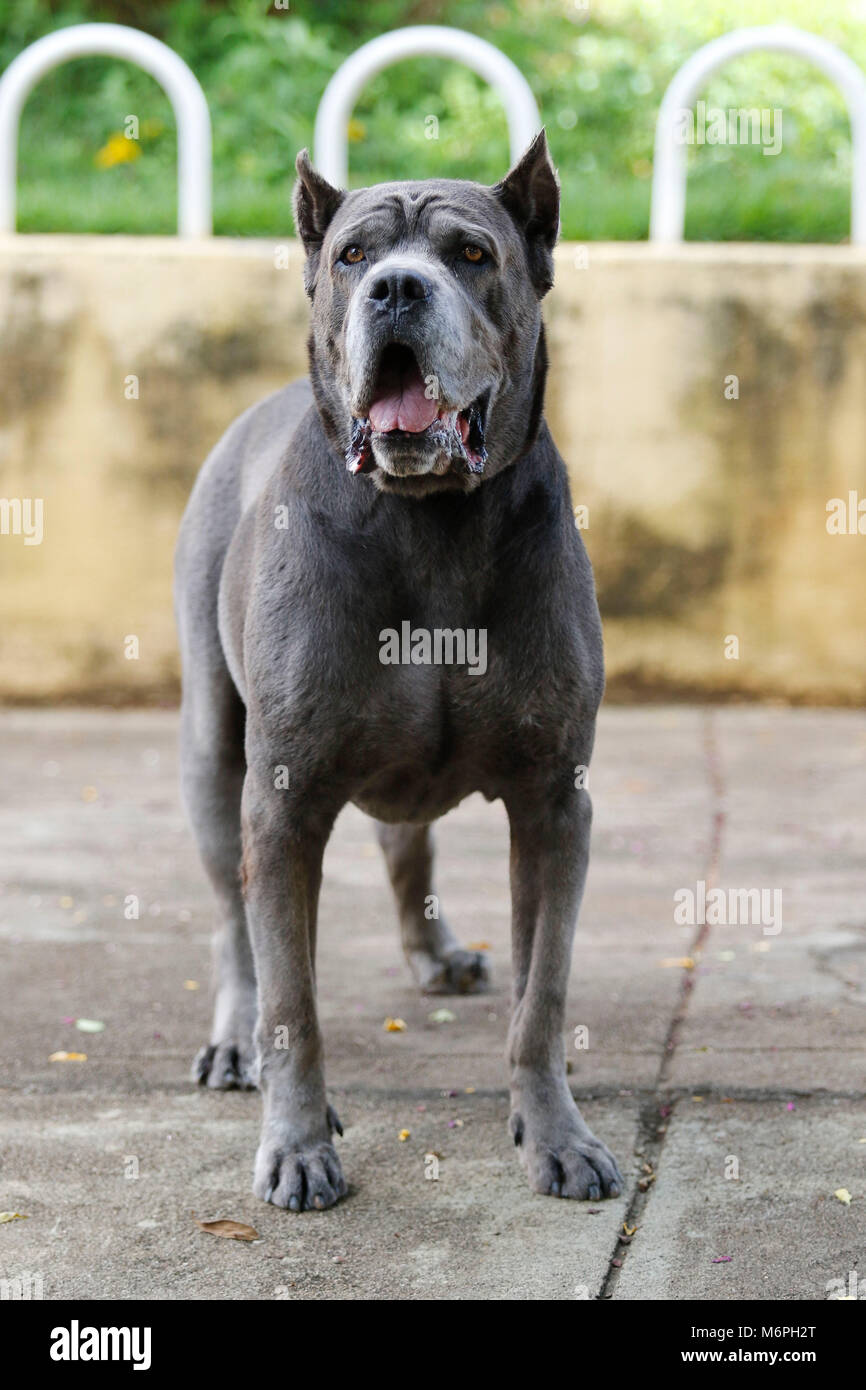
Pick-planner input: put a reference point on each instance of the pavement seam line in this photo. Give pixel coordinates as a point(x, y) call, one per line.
point(661, 1107)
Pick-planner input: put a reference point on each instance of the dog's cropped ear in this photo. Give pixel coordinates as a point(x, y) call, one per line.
point(530, 193)
point(314, 203)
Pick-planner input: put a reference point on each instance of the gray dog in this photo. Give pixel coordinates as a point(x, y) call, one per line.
point(346, 545)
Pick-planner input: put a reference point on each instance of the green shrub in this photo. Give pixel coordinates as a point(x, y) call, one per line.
point(598, 82)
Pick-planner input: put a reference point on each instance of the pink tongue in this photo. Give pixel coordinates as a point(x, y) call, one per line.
point(402, 404)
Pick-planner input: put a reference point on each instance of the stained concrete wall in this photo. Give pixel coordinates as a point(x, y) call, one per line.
point(706, 499)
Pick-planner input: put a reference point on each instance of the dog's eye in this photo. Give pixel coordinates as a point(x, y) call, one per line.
point(473, 254)
point(352, 255)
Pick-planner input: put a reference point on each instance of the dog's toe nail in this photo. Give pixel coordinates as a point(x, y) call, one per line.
point(594, 1192)
point(334, 1121)
point(613, 1191)
point(556, 1189)
point(294, 1204)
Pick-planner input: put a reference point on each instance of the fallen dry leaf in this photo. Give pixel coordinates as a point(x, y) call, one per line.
point(231, 1230)
point(394, 1025)
point(478, 946)
point(843, 1195)
point(629, 1230)
point(677, 963)
point(12, 1216)
point(89, 1025)
point(68, 1057)
point(404, 1135)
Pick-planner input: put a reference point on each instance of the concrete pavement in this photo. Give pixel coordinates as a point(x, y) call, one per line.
point(725, 1062)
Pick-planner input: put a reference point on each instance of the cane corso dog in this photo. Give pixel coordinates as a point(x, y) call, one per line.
point(348, 543)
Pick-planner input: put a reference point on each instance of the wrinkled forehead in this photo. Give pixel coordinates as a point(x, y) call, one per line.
point(415, 213)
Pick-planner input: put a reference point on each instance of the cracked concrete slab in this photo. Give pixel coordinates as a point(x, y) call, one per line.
point(784, 1003)
point(112, 1189)
point(751, 1184)
point(92, 828)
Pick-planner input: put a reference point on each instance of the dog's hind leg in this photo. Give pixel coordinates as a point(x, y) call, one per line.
point(212, 777)
point(436, 958)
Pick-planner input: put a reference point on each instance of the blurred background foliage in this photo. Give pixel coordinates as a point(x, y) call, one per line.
point(598, 75)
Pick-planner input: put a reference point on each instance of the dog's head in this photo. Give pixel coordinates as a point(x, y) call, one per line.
point(427, 352)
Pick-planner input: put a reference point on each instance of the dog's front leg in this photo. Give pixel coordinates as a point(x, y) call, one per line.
point(296, 1164)
point(549, 856)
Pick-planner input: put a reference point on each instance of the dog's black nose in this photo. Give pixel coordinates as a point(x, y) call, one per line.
point(398, 290)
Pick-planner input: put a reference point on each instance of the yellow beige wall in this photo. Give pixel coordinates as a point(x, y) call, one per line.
point(706, 499)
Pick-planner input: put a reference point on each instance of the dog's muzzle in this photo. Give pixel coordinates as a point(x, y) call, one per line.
point(405, 408)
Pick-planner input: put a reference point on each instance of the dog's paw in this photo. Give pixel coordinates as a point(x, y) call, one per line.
point(460, 972)
point(226, 1066)
point(300, 1178)
point(574, 1164)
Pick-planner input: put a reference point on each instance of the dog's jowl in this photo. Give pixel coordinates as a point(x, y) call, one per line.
point(410, 487)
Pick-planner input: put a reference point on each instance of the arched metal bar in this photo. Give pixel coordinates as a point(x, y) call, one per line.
point(171, 72)
point(330, 140)
point(667, 218)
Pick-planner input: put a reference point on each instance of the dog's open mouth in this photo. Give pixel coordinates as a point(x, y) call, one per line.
point(405, 405)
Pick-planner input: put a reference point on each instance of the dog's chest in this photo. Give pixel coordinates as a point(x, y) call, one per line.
point(452, 711)
point(425, 740)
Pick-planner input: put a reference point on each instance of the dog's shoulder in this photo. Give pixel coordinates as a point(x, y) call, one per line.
point(242, 460)
point(265, 433)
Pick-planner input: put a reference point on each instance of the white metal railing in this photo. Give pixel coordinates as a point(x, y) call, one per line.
point(171, 72)
point(667, 217)
point(330, 139)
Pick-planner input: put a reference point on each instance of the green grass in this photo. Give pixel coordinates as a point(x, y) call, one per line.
point(598, 84)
